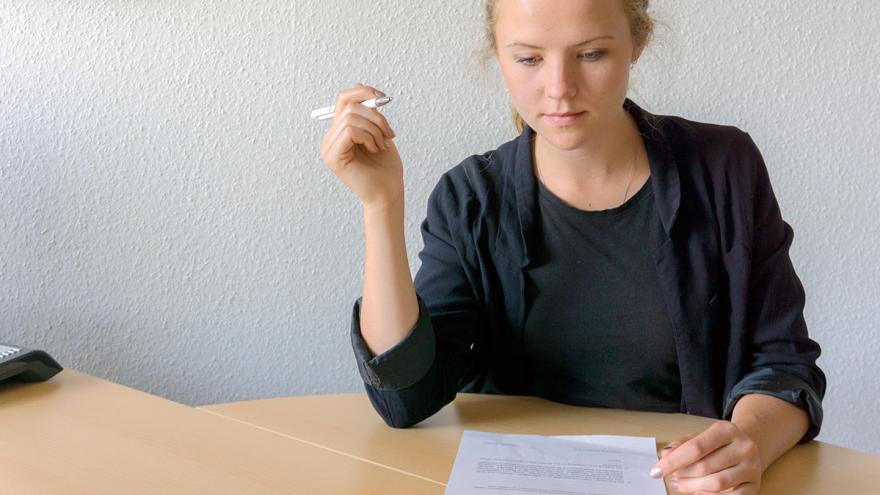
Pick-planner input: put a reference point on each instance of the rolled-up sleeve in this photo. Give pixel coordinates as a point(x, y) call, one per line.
point(785, 386)
point(404, 364)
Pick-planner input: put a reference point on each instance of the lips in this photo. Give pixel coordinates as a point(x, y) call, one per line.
point(563, 118)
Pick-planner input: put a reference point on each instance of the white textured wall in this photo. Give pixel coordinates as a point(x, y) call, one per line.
point(166, 221)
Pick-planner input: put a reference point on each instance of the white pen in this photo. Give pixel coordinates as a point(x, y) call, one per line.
point(327, 112)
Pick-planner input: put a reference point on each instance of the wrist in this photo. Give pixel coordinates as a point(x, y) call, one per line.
point(385, 208)
point(774, 425)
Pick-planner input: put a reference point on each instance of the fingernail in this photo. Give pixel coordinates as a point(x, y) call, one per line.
point(656, 472)
point(674, 484)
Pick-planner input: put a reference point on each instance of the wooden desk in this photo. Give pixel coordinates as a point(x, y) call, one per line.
point(348, 424)
point(77, 434)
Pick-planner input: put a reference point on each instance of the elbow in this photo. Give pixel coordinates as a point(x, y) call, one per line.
point(403, 417)
point(395, 412)
point(399, 423)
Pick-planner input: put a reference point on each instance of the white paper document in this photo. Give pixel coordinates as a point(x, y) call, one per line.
point(495, 463)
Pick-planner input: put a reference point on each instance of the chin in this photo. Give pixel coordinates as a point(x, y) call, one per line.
point(564, 138)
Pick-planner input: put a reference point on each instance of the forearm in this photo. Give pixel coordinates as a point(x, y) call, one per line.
point(773, 424)
point(389, 308)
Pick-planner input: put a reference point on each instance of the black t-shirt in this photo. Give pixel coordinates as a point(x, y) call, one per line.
point(597, 332)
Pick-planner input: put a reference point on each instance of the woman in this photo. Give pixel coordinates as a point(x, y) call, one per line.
point(605, 257)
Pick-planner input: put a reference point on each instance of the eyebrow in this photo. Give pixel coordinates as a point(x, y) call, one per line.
point(585, 42)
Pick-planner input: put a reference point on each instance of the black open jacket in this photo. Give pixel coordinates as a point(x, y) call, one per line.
point(731, 291)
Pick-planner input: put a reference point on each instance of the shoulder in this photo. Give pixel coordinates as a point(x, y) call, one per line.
point(477, 181)
point(703, 138)
point(724, 153)
point(723, 175)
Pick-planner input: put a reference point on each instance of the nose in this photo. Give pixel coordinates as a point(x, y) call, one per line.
point(561, 81)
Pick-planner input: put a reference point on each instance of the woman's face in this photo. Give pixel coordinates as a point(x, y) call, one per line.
point(565, 57)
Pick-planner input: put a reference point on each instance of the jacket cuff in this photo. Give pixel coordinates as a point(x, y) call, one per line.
point(404, 364)
point(781, 385)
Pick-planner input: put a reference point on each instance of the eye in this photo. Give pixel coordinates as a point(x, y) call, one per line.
point(530, 61)
point(595, 55)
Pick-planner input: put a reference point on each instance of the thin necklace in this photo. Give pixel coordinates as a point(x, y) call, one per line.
point(632, 174)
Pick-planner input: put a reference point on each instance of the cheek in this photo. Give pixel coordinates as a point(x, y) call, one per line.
point(520, 84)
point(617, 74)
point(604, 77)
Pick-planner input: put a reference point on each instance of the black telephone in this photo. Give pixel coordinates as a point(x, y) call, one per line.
point(26, 365)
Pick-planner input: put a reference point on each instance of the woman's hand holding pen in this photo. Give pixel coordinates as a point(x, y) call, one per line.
point(359, 150)
point(723, 458)
point(730, 456)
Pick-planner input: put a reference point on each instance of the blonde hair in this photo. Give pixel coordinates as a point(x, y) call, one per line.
point(641, 27)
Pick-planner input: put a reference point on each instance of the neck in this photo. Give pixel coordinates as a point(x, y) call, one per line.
point(606, 157)
point(601, 174)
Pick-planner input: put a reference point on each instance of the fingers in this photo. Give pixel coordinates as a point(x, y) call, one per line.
point(746, 489)
point(353, 114)
point(353, 134)
point(355, 94)
point(357, 129)
point(665, 451)
point(716, 436)
point(334, 154)
point(720, 459)
point(355, 124)
point(738, 476)
point(349, 101)
point(715, 462)
point(741, 451)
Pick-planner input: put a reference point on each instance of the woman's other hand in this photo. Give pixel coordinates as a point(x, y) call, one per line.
point(359, 150)
point(721, 459)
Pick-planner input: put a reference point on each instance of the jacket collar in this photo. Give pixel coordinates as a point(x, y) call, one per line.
point(664, 175)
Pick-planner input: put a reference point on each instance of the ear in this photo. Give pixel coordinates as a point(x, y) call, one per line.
point(637, 53)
